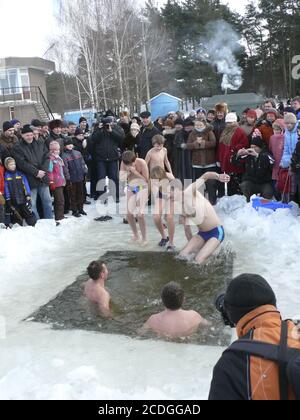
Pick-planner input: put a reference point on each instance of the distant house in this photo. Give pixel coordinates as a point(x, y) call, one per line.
point(237, 102)
point(164, 103)
point(23, 93)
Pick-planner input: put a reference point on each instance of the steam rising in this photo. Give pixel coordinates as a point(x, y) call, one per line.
point(218, 48)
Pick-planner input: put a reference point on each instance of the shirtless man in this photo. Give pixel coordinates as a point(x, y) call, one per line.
point(198, 210)
point(174, 322)
point(158, 156)
point(95, 288)
point(135, 173)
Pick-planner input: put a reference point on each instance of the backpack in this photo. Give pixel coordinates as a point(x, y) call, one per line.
point(288, 359)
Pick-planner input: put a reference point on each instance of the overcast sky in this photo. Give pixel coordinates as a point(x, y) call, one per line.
point(27, 26)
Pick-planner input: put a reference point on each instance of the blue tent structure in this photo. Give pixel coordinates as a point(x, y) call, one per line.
point(164, 103)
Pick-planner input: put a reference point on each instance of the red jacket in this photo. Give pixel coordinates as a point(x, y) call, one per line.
point(1, 179)
point(225, 153)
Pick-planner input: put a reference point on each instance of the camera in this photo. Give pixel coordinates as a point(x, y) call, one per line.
point(221, 307)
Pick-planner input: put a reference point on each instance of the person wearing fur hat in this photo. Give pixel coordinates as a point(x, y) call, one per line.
point(266, 126)
point(290, 139)
point(219, 123)
point(276, 147)
point(202, 144)
point(8, 139)
point(232, 140)
point(55, 127)
point(249, 122)
point(258, 168)
point(250, 306)
point(17, 195)
point(132, 139)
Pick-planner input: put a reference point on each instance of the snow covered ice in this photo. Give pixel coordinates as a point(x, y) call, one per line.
point(36, 264)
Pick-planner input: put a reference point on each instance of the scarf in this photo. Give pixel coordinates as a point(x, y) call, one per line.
point(228, 133)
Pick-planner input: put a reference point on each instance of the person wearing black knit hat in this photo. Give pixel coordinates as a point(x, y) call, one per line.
point(250, 306)
point(258, 168)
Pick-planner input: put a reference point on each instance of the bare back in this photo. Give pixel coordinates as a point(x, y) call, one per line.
point(175, 324)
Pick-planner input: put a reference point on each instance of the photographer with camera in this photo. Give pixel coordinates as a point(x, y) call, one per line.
point(264, 364)
point(105, 148)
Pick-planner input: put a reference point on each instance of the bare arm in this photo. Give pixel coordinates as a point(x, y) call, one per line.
point(104, 305)
point(123, 173)
point(148, 159)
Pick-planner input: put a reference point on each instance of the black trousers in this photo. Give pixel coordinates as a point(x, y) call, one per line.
point(250, 188)
point(59, 203)
point(211, 185)
point(77, 196)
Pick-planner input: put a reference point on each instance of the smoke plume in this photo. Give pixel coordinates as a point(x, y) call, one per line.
point(218, 48)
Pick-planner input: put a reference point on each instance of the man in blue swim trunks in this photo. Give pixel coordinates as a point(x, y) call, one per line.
point(198, 210)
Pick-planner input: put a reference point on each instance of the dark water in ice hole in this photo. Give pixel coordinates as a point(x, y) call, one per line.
point(135, 283)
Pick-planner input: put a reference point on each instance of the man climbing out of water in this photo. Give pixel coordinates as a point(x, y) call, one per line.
point(198, 210)
point(95, 288)
point(174, 322)
point(135, 173)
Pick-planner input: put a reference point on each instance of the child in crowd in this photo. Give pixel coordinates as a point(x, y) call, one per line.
point(58, 174)
point(135, 173)
point(158, 155)
point(17, 195)
point(77, 169)
point(160, 186)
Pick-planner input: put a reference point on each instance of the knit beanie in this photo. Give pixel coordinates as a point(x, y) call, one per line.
point(247, 293)
point(7, 125)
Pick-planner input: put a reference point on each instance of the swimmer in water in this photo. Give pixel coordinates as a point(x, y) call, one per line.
point(174, 322)
point(198, 210)
point(95, 288)
point(135, 173)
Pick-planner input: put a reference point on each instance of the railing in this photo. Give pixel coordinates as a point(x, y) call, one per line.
point(25, 93)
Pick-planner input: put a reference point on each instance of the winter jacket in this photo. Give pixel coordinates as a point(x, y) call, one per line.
point(131, 143)
point(16, 188)
point(226, 153)
point(295, 164)
point(267, 132)
point(182, 157)
point(203, 156)
point(257, 170)
point(290, 142)
point(58, 172)
point(8, 143)
point(248, 129)
point(79, 147)
point(218, 127)
point(241, 377)
point(4, 153)
point(276, 147)
point(1, 179)
point(147, 135)
point(53, 137)
point(105, 145)
point(32, 158)
point(75, 165)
